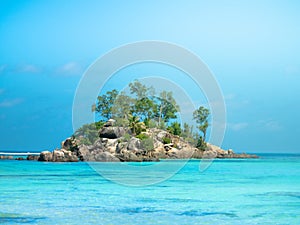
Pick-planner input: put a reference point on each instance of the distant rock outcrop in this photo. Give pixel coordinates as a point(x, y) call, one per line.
point(8, 157)
point(45, 156)
point(216, 152)
point(61, 155)
point(32, 157)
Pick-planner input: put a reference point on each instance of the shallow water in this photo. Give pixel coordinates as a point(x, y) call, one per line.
point(250, 191)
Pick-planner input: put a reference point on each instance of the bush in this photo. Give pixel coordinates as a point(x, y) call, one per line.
point(166, 140)
point(120, 122)
point(174, 128)
point(84, 141)
point(152, 124)
point(87, 134)
point(162, 125)
point(201, 144)
point(148, 144)
point(126, 137)
point(99, 124)
point(142, 136)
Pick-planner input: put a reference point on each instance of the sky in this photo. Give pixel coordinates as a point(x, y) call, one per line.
point(251, 47)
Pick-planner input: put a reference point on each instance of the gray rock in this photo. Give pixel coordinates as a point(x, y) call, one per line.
point(110, 123)
point(110, 145)
point(69, 156)
point(32, 157)
point(185, 153)
point(61, 155)
point(45, 156)
point(9, 157)
point(128, 156)
point(109, 142)
point(161, 135)
point(98, 143)
point(58, 156)
point(122, 146)
point(134, 144)
point(112, 132)
point(83, 153)
point(106, 157)
point(67, 144)
point(244, 156)
point(96, 154)
point(230, 152)
point(20, 158)
point(198, 154)
point(209, 154)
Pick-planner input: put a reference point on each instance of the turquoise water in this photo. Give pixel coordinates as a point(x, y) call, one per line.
point(250, 191)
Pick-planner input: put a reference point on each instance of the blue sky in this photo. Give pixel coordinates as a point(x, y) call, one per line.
point(252, 48)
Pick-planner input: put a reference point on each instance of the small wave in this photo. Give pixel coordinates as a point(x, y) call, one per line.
point(199, 213)
point(17, 218)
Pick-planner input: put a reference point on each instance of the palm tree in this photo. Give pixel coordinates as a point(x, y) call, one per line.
point(135, 125)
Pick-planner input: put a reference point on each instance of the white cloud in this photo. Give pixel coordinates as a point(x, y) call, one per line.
point(270, 124)
point(10, 103)
point(28, 68)
point(237, 126)
point(71, 68)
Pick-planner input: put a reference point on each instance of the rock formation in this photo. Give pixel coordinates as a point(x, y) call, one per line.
point(6, 157)
point(61, 155)
point(117, 144)
point(32, 157)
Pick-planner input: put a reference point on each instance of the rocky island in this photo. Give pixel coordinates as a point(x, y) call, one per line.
point(117, 144)
point(138, 126)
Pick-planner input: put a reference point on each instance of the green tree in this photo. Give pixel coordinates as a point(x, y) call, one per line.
point(166, 107)
point(201, 116)
point(105, 104)
point(99, 124)
point(188, 134)
point(139, 89)
point(122, 107)
point(174, 128)
point(185, 131)
point(201, 143)
point(148, 146)
point(87, 134)
point(135, 125)
point(143, 106)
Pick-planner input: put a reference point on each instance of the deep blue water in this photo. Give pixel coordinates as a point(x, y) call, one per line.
point(246, 191)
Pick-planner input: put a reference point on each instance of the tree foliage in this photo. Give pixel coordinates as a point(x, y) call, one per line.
point(136, 125)
point(139, 90)
point(87, 134)
point(174, 128)
point(166, 107)
point(122, 108)
point(201, 144)
point(143, 104)
point(148, 146)
point(105, 104)
point(201, 116)
point(141, 108)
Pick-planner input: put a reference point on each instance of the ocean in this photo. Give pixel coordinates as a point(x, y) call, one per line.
point(229, 191)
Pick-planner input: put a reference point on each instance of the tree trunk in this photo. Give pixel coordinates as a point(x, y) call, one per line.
point(160, 112)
